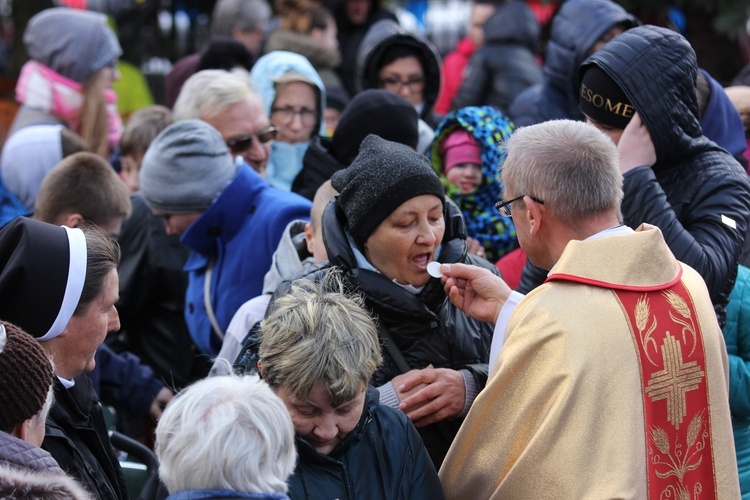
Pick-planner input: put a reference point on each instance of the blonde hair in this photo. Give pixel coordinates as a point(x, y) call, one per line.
point(315, 333)
point(94, 125)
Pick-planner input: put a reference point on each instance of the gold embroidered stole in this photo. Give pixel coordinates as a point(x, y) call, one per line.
point(669, 342)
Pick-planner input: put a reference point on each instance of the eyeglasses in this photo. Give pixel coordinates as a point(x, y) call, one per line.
point(285, 116)
point(243, 143)
point(503, 207)
point(414, 84)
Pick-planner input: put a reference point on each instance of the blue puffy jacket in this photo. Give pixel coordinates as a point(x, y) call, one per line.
point(575, 29)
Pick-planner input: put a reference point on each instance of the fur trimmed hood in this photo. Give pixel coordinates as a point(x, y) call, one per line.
point(28, 483)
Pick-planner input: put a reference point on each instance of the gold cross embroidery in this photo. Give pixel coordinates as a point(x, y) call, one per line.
point(674, 381)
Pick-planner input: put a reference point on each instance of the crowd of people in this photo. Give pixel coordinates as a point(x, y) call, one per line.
point(334, 264)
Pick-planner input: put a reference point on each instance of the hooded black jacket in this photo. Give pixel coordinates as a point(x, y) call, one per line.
point(383, 457)
point(505, 66)
point(318, 165)
point(384, 34)
point(576, 27)
point(696, 191)
point(427, 328)
point(350, 37)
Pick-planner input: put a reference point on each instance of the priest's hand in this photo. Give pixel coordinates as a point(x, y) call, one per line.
point(441, 395)
point(475, 290)
point(635, 147)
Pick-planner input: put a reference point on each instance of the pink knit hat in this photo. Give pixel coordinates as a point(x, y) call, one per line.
point(460, 147)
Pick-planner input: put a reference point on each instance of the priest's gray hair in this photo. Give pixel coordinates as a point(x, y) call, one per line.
point(227, 432)
point(319, 332)
point(571, 166)
point(210, 92)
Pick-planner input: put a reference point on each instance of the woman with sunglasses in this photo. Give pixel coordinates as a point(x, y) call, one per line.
point(293, 96)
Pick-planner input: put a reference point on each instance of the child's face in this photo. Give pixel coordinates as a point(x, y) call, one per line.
point(465, 176)
point(130, 166)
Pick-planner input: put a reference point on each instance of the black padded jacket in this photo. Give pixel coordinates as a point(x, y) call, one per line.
point(426, 327)
point(696, 192)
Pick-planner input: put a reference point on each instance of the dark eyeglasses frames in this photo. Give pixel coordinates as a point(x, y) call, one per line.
point(503, 207)
point(285, 116)
point(241, 144)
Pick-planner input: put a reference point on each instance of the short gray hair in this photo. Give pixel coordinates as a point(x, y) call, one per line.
point(246, 15)
point(210, 92)
point(571, 166)
point(314, 333)
point(228, 433)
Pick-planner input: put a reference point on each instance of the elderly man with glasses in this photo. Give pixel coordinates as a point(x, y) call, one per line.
point(616, 366)
point(224, 211)
point(226, 102)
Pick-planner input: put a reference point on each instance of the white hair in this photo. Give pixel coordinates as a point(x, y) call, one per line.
point(227, 433)
point(41, 417)
point(210, 92)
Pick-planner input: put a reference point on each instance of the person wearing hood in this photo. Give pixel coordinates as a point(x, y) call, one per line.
point(506, 64)
point(720, 120)
point(467, 155)
point(393, 59)
point(389, 220)
point(68, 80)
point(674, 176)
point(353, 19)
point(293, 96)
point(578, 29)
point(26, 396)
point(375, 111)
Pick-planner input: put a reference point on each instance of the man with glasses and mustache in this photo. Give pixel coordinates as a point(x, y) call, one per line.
point(225, 101)
point(616, 366)
point(224, 211)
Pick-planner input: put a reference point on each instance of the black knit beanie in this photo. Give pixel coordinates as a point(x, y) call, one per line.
point(378, 112)
point(384, 175)
point(602, 99)
point(25, 376)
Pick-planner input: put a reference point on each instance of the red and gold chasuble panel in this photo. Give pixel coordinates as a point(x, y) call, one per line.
point(677, 416)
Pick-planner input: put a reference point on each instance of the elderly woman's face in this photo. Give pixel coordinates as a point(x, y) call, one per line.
point(317, 421)
point(295, 112)
point(407, 240)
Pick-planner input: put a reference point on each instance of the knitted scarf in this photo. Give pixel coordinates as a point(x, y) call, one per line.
point(39, 87)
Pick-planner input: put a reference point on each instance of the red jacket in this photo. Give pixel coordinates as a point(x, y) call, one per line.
point(453, 74)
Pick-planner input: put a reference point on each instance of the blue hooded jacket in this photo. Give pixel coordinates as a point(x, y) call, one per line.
point(285, 161)
point(236, 238)
point(575, 29)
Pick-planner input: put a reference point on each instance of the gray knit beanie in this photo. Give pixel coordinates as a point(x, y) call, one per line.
point(384, 175)
point(73, 43)
point(185, 168)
